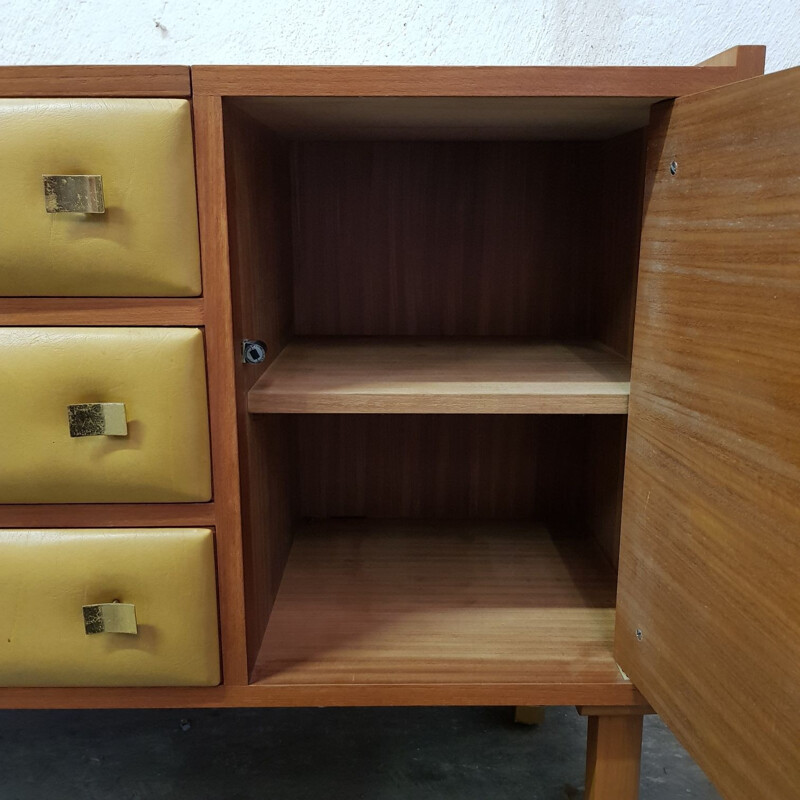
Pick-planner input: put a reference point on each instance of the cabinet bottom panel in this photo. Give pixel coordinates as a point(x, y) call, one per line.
point(259, 696)
point(449, 604)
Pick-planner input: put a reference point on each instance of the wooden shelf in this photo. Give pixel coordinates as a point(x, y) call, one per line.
point(407, 603)
point(460, 376)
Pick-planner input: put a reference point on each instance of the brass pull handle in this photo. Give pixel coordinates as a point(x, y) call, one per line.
point(75, 194)
point(97, 419)
point(113, 617)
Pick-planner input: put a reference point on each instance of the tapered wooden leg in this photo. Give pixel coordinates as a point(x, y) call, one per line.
point(613, 753)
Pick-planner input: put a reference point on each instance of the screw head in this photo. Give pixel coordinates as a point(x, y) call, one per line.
point(673, 167)
point(254, 351)
point(639, 634)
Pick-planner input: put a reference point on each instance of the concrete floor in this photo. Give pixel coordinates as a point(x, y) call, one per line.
point(299, 754)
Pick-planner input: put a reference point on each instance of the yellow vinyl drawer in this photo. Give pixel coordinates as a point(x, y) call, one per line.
point(160, 582)
point(144, 243)
point(57, 383)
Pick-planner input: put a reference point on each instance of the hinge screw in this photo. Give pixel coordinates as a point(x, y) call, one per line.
point(673, 167)
point(254, 351)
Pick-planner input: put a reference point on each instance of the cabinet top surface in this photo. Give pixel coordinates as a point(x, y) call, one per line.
point(95, 81)
point(381, 81)
point(419, 81)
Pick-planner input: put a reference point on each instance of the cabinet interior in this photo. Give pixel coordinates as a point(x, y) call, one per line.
point(432, 452)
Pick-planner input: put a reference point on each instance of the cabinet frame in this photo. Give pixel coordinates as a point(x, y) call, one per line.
point(207, 87)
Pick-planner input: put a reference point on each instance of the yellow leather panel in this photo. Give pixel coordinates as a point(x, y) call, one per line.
point(146, 242)
point(47, 576)
point(158, 373)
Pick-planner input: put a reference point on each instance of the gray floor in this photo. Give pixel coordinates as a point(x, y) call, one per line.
point(285, 754)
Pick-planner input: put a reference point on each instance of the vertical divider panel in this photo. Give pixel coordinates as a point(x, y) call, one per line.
point(220, 348)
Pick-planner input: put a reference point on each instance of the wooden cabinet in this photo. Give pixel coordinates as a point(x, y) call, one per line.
point(502, 383)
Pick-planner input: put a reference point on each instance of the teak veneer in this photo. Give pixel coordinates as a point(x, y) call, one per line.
point(466, 603)
point(95, 81)
point(450, 376)
point(101, 311)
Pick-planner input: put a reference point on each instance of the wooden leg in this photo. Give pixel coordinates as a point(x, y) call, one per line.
point(529, 715)
point(613, 752)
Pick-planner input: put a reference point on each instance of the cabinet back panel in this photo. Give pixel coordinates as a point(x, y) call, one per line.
point(445, 238)
point(452, 466)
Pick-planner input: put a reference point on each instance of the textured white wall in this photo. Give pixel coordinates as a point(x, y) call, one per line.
point(393, 31)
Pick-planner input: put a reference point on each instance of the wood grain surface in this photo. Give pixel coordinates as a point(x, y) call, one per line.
point(259, 214)
point(95, 81)
point(649, 82)
point(118, 515)
point(485, 466)
point(100, 311)
point(220, 354)
point(749, 59)
point(711, 521)
point(530, 692)
point(431, 118)
point(450, 376)
point(366, 602)
point(601, 463)
point(618, 201)
point(613, 754)
point(446, 238)
point(614, 711)
point(618, 204)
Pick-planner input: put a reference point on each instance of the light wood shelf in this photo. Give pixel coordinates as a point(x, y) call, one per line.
point(448, 375)
point(405, 603)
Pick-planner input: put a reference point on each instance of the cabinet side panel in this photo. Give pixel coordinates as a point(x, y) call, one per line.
point(708, 621)
point(618, 193)
point(619, 204)
point(257, 175)
point(605, 460)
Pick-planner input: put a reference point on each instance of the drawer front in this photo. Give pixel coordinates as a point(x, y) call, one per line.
point(162, 578)
point(145, 242)
point(156, 445)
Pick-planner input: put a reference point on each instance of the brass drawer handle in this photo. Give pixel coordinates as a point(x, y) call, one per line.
point(113, 617)
point(97, 419)
point(74, 194)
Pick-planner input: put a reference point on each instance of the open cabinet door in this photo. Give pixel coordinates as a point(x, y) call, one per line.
point(708, 621)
